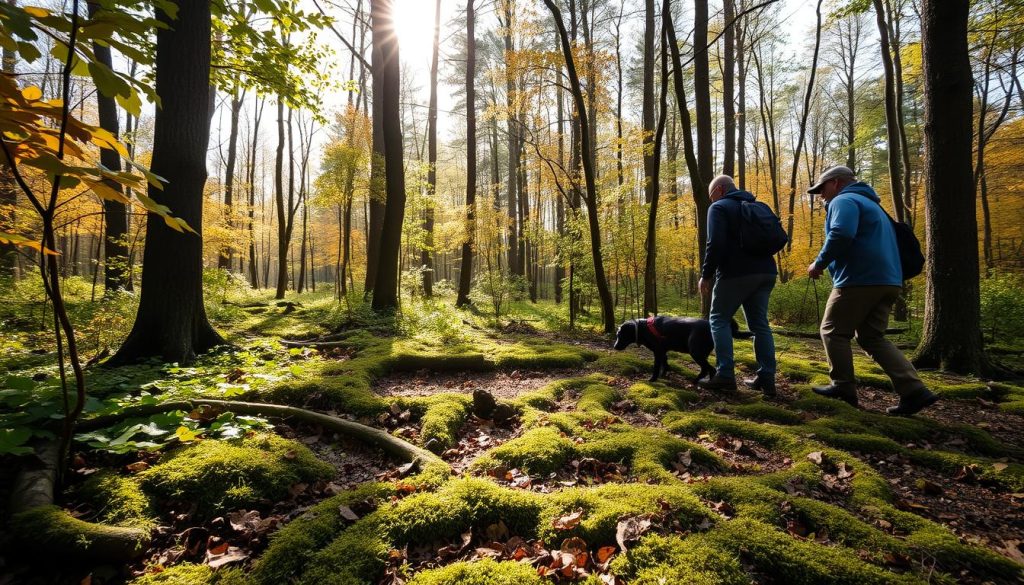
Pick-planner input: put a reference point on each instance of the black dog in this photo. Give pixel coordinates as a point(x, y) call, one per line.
point(682, 334)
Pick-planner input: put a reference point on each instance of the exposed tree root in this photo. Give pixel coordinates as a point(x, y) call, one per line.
point(48, 529)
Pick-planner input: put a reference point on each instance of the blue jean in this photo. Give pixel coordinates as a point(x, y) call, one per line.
point(750, 292)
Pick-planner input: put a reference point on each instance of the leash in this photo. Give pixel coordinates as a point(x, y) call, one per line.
point(803, 301)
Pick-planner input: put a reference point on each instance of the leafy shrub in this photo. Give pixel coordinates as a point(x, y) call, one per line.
point(1002, 313)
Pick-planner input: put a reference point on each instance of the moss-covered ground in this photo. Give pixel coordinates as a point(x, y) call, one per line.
point(666, 483)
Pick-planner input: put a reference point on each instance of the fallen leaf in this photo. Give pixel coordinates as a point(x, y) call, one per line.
point(137, 466)
point(630, 529)
point(929, 487)
point(604, 553)
point(568, 521)
point(999, 466)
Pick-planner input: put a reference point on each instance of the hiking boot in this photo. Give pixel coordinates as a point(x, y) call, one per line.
point(847, 395)
point(717, 382)
point(765, 384)
point(913, 403)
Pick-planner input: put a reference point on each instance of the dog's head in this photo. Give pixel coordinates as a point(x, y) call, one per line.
point(626, 335)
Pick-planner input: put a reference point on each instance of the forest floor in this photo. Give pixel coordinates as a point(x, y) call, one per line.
point(588, 473)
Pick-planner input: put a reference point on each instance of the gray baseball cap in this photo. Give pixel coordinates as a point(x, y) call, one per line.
point(838, 171)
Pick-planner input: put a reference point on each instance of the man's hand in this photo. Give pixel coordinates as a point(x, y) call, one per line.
point(705, 287)
point(813, 271)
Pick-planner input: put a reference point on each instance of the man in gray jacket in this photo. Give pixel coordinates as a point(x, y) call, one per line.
point(861, 254)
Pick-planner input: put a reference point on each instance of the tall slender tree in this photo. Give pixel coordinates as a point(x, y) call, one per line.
point(466, 269)
point(428, 221)
point(115, 213)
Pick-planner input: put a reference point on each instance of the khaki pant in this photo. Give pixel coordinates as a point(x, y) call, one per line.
point(863, 312)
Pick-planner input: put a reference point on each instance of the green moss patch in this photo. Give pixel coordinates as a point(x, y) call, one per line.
point(218, 475)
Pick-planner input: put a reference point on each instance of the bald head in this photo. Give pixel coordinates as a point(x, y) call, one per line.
point(719, 186)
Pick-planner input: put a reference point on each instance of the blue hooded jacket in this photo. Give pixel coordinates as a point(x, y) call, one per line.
point(723, 254)
point(860, 242)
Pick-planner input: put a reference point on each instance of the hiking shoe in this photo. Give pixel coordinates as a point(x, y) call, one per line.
point(831, 391)
point(717, 382)
point(763, 383)
point(913, 403)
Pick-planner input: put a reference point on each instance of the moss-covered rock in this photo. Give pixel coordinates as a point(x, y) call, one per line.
point(656, 560)
point(121, 499)
point(218, 475)
point(49, 530)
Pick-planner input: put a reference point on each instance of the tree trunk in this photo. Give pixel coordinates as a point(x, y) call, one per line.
point(729, 107)
point(466, 270)
point(115, 225)
point(253, 271)
point(508, 7)
point(385, 288)
point(803, 129)
point(8, 187)
point(171, 321)
point(428, 222)
point(650, 266)
point(951, 336)
point(376, 195)
point(224, 259)
point(601, 279)
point(891, 117)
point(647, 116)
point(741, 130)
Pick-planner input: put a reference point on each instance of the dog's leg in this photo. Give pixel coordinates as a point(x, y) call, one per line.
point(659, 357)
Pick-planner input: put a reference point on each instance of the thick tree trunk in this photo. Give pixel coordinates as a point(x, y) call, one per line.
point(115, 224)
point(385, 288)
point(951, 336)
point(375, 221)
point(466, 269)
point(171, 322)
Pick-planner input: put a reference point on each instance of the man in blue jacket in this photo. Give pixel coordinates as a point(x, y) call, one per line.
point(740, 279)
point(861, 254)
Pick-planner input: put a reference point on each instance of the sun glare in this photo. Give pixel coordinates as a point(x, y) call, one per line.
point(414, 23)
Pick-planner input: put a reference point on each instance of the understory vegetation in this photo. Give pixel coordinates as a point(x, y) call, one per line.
point(595, 475)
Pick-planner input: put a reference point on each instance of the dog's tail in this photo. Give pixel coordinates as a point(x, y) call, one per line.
point(737, 334)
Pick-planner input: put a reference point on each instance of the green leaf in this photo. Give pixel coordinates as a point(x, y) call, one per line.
point(19, 383)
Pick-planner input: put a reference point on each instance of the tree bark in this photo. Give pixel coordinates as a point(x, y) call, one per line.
point(171, 322)
point(647, 116)
point(385, 288)
point(951, 336)
point(254, 280)
point(8, 187)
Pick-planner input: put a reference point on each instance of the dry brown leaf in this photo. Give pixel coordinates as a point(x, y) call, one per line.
point(568, 521)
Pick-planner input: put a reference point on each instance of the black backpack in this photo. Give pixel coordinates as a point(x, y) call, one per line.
point(761, 232)
point(911, 258)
